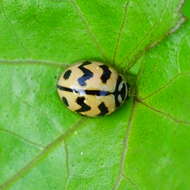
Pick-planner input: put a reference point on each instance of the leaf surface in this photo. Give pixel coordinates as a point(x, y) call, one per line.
point(144, 145)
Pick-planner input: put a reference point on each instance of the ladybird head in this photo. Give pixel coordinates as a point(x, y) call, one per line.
point(120, 91)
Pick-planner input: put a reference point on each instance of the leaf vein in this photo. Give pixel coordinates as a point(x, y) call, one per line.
point(125, 148)
point(24, 139)
point(172, 80)
point(123, 22)
point(135, 57)
point(165, 114)
point(50, 147)
point(88, 29)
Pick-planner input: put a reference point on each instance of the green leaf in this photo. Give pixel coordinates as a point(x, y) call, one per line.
point(144, 145)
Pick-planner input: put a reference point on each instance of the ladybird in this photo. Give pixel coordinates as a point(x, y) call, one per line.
point(92, 88)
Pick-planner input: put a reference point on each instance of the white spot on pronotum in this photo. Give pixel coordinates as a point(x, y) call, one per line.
point(120, 98)
point(120, 86)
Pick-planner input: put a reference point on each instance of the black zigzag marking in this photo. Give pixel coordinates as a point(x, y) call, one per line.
point(87, 73)
point(84, 107)
point(106, 73)
point(103, 109)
